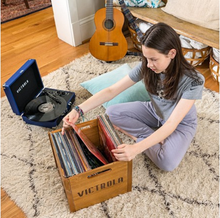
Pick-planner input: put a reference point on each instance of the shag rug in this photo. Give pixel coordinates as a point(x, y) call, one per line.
point(14, 9)
point(30, 177)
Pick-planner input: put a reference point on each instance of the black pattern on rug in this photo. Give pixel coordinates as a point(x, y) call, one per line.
point(35, 201)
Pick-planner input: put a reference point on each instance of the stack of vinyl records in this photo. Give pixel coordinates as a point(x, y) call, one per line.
point(78, 154)
point(109, 139)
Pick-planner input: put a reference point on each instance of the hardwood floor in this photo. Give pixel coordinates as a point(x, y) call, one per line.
point(34, 36)
point(8, 208)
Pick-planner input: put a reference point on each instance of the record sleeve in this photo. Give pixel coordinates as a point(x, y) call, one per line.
point(109, 139)
point(93, 161)
point(58, 153)
point(66, 163)
point(77, 148)
point(75, 160)
point(90, 146)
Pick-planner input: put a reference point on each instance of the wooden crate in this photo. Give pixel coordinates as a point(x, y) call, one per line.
point(97, 185)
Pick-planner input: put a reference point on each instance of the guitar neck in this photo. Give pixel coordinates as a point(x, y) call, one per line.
point(109, 10)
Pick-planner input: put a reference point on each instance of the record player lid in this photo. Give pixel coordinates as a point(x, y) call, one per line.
point(23, 86)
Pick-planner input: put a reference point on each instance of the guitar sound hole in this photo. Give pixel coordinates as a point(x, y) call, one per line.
point(109, 24)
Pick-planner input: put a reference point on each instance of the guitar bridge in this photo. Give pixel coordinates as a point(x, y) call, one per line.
point(109, 43)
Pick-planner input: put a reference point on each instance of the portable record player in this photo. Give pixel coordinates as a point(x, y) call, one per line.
point(37, 105)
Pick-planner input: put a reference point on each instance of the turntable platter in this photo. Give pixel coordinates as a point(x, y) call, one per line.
point(44, 108)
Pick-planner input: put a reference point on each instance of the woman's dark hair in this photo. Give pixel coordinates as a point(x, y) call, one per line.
point(163, 38)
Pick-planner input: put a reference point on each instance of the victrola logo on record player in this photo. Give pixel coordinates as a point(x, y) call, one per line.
point(38, 105)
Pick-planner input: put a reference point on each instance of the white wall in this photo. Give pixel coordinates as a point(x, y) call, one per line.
point(74, 19)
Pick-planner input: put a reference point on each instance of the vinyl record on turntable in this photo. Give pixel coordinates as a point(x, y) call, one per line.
point(44, 108)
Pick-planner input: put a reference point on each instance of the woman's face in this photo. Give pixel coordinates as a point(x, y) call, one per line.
point(157, 62)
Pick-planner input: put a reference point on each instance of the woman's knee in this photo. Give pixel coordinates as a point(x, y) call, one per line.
point(168, 167)
point(162, 161)
point(110, 110)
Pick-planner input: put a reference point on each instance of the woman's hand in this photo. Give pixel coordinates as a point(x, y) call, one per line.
point(70, 119)
point(125, 152)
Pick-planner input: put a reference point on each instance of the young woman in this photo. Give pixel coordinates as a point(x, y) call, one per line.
point(165, 126)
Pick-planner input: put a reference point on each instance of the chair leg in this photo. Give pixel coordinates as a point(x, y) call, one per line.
point(26, 3)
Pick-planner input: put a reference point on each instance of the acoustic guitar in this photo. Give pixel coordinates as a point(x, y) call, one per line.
point(108, 42)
